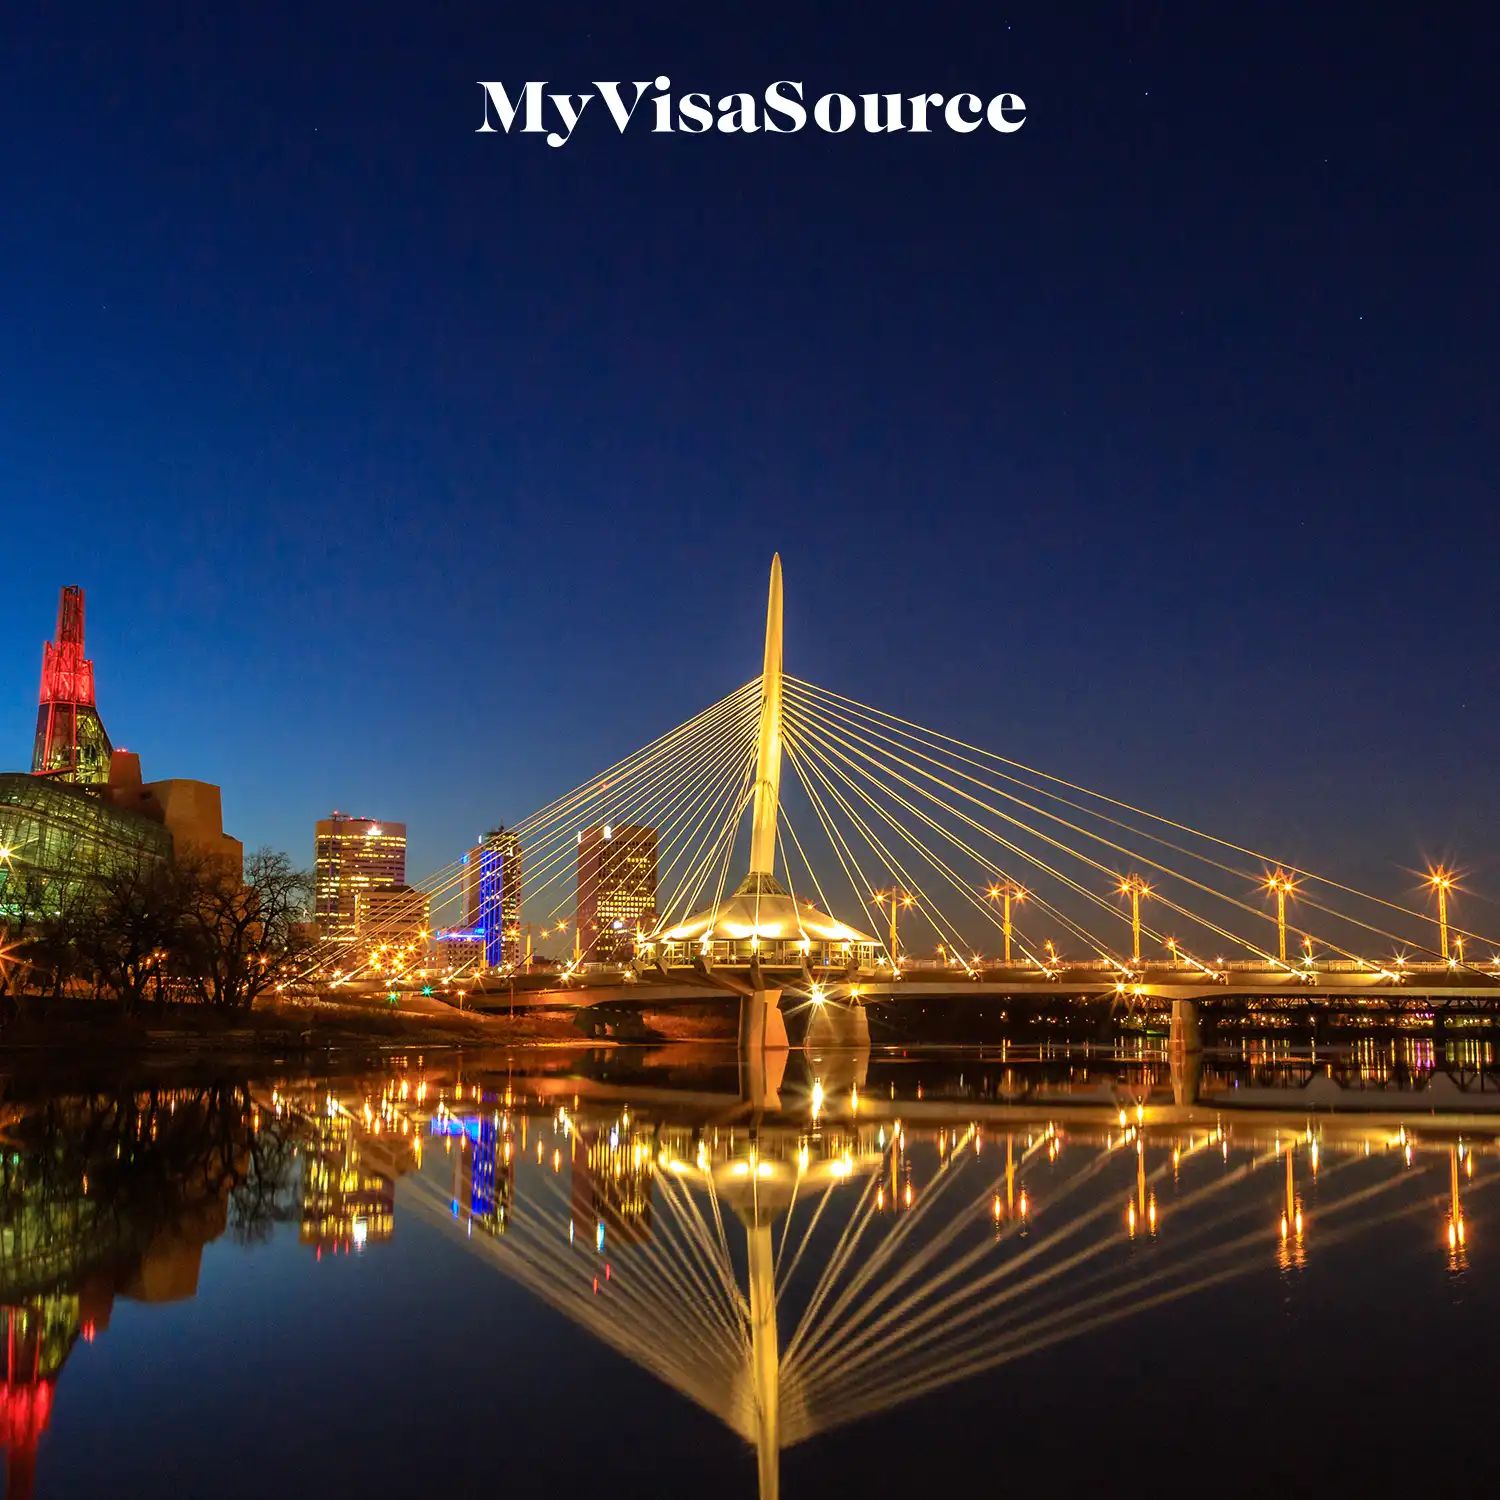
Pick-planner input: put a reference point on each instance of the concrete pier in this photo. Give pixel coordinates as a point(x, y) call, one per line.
point(1186, 1053)
point(762, 1026)
point(833, 1025)
point(1185, 1032)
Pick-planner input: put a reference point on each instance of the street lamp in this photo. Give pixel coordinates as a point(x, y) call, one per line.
point(1281, 885)
point(898, 900)
point(1442, 882)
point(1134, 887)
point(1005, 894)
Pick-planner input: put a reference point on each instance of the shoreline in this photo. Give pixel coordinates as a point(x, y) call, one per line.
point(41, 1035)
point(84, 1032)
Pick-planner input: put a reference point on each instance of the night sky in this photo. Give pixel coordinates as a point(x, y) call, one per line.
point(420, 473)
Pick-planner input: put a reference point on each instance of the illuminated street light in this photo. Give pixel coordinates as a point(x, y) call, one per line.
point(1005, 894)
point(1281, 885)
point(1442, 882)
point(1134, 887)
point(898, 900)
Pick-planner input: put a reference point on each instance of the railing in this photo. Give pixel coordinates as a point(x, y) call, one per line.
point(1189, 966)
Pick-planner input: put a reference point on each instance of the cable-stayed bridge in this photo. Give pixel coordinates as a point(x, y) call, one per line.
point(794, 846)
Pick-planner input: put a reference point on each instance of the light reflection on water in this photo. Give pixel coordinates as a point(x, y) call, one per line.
point(794, 1255)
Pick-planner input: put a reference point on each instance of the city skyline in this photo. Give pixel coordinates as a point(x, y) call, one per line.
point(1413, 872)
point(1166, 468)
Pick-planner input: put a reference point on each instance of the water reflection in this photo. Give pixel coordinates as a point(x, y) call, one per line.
point(869, 1232)
point(890, 1229)
point(114, 1195)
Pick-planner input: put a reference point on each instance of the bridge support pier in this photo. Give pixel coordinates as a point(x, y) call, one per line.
point(1186, 1036)
point(762, 1026)
point(762, 1047)
point(837, 1046)
point(1186, 1050)
point(836, 1025)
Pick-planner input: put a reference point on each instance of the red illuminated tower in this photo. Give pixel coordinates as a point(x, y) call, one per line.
point(70, 740)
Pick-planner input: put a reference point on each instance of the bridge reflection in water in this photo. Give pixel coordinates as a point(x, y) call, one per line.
point(791, 1271)
point(891, 1226)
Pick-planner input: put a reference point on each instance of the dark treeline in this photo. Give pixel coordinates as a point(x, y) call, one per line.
point(148, 932)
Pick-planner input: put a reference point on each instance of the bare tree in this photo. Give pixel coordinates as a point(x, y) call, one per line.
point(131, 928)
point(54, 953)
point(239, 934)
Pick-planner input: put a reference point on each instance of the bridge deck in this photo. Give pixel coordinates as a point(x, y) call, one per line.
point(598, 984)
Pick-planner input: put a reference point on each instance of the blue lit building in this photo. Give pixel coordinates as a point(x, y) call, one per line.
point(493, 887)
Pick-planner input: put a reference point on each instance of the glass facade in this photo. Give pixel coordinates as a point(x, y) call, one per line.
point(351, 855)
point(493, 900)
point(65, 835)
point(616, 888)
point(70, 740)
point(71, 743)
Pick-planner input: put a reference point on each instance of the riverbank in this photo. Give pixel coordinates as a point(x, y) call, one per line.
point(90, 1029)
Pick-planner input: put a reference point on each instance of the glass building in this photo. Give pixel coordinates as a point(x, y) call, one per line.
point(352, 855)
point(54, 836)
point(616, 889)
point(492, 890)
point(85, 810)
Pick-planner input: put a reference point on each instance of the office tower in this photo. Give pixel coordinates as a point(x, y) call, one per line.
point(393, 915)
point(492, 890)
point(616, 888)
point(353, 855)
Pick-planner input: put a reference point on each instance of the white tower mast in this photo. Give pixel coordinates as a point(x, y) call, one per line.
point(768, 751)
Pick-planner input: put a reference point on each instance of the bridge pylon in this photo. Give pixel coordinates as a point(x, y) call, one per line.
point(760, 937)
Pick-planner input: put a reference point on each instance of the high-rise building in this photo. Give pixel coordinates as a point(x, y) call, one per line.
point(492, 895)
point(351, 855)
point(394, 914)
point(616, 888)
point(70, 740)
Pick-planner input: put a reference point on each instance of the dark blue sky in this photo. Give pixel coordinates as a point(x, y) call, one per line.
point(420, 472)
